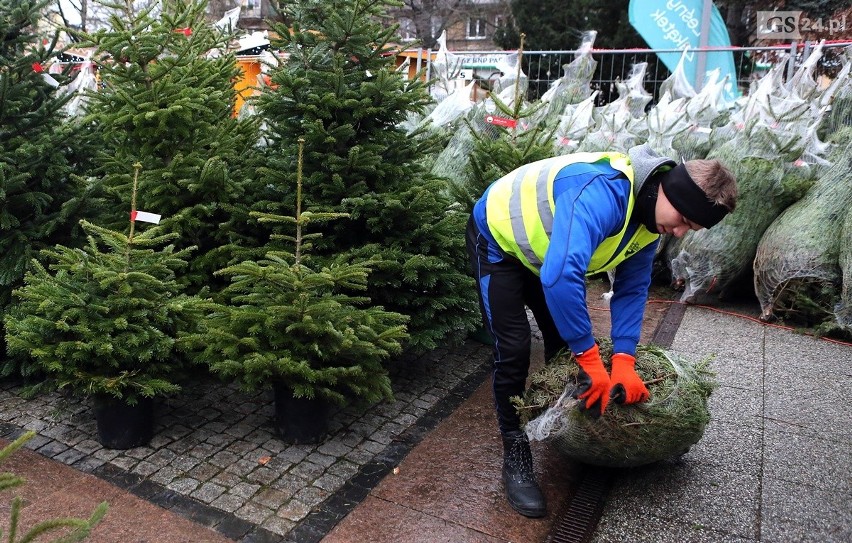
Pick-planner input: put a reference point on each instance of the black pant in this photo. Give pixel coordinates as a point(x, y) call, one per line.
point(506, 288)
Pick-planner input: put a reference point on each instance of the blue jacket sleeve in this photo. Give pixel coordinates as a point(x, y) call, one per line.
point(585, 215)
point(630, 293)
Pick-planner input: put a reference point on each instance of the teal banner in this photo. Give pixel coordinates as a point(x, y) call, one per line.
point(676, 24)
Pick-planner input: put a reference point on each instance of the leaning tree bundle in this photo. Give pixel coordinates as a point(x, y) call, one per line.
point(797, 275)
point(667, 425)
point(843, 310)
point(769, 179)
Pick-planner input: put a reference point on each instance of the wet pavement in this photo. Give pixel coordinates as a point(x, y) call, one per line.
point(773, 465)
point(215, 458)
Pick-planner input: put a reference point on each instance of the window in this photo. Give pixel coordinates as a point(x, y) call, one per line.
point(476, 28)
point(407, 31)
point(251, 9)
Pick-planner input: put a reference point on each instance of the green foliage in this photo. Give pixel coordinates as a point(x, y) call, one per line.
point(289, 322)
point(35, 147)
point(104, 319)
point(167, 102)
point(339, 90)
point(551, 25)
point(502, 150)
point(76, 529)
point(672, 420)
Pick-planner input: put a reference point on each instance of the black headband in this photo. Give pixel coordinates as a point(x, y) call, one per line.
point(689, 199)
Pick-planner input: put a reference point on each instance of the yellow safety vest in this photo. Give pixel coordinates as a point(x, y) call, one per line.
point(520, 209)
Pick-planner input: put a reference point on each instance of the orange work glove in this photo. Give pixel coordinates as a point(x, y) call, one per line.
point(627, 386)
point(592, 382)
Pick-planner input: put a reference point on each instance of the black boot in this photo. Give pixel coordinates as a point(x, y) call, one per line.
point(521, 489)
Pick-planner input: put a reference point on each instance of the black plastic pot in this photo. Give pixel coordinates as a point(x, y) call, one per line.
point(299, 420)
point(122, 426)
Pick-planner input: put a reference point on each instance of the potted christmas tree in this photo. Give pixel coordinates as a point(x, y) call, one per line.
point(102, 321)
point(167, 100)
point(299, 329)
point(337, 86)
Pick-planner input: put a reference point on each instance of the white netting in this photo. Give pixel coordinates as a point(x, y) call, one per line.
point(771, 146)
point(481, 120)
point(81, 86)
point(796, 267)
point(574, 86)
point(843, 310)
point(672, 420)
point(574, 124)
point(677, 85)
point(622, 123)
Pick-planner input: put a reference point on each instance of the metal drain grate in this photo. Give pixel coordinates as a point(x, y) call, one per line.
point(579, 521)
point(668, 326)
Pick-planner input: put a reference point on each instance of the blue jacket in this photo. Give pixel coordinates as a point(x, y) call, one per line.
point(586, 213)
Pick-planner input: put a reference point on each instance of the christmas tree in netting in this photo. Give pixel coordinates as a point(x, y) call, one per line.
point(513, 141)
point(337, 88)
point(167, 102)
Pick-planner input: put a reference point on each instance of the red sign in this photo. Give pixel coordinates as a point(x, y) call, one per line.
point(501, 121)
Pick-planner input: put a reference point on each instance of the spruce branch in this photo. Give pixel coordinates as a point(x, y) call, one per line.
point(81, 528)
point(136, 167)
point(299, 164)
point(518, 84)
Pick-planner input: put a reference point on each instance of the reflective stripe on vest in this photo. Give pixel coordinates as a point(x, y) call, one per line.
point(520, 209)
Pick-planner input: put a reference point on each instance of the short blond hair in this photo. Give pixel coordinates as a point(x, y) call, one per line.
point(717, 181)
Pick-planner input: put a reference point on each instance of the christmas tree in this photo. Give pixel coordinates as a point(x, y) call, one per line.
point(167, 102)
point(292, 322)
point(516, 141)
point(337, 87)
point(104, 319)
point(36, 152)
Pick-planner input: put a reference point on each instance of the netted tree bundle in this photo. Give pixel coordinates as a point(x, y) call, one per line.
point(621, 124)
point(574, 124)
point(667, 425)
point(843, 311)
point(708, 261)
point(609, 138)
point(841, 110)
point(797, 275)
point(840, 115)
point(574, 86)
point(452, 162)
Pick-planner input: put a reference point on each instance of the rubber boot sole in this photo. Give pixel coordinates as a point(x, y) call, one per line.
point(536, 512)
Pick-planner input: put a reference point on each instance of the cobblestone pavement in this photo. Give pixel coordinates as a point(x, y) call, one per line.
point(215, 458)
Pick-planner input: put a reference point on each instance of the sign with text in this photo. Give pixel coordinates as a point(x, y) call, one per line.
point(480, 60)
point(500, 121)
point(677, 24)
point(789, 25)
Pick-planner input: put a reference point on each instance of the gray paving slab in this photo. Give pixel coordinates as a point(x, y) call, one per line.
point(708, 332)
point(828, 466)
point(653, 529)
point(793, 512)
point(743, 446)
point(215, 446)
point(743, 407)
point(807, 385)
point(744, 372)
point(691, 493)
point(774, 463)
